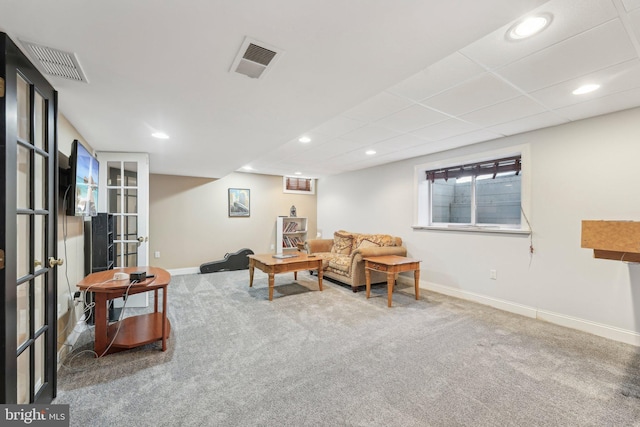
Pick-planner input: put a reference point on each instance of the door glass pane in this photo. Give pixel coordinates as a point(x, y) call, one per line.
point(118, 220)
point(39, 124)
point(23, 378)
point(22, 297)
point(23, 177)
point(22, 245)
point(39, 359)
point(40, 181)
point(38, 302)
point(23, 109)
point(131, 200)
point(132, 255)
point(38, 242)
point(131, 174)
point(114, 174)
point(118, 255)
point(132, 227)
point(113, 199)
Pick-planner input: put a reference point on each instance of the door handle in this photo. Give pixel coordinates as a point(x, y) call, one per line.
point(1, 259)
point(140, 239)
point(53, 262)
point(37, 263)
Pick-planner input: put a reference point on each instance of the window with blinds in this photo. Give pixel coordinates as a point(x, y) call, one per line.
point(298, 185)
point(484, 194)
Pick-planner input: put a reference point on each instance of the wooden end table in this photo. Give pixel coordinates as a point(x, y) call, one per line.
point(272, 266)
point(391, 264)
point(132, 331)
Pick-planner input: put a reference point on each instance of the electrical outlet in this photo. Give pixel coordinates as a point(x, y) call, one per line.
point(156, 254)
point(493, 274)
point(273, 246)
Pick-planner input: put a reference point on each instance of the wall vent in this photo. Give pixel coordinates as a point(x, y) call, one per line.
point(255, 58)
point(56, 62)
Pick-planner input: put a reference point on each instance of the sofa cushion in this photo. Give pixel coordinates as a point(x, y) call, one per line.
point(342, 243)
point(373, 240)
point(326, 256)
point(340, 264)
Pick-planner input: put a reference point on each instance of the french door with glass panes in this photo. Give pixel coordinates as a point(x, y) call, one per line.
point(124, 191)
point(28, 212)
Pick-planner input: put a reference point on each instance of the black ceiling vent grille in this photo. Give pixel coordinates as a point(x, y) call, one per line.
point(259, 54)
point(56, 62)
point(255, 58)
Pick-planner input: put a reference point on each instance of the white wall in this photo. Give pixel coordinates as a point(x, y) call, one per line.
point(190, 224)
point(581, 170)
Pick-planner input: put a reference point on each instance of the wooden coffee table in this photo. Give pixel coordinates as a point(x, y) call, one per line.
point(391, 264)
point(272, 266)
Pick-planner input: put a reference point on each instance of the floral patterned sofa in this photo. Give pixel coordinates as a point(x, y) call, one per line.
point(342, 256)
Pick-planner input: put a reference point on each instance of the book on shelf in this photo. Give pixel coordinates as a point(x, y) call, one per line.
point(291, 241)
point(291, 227)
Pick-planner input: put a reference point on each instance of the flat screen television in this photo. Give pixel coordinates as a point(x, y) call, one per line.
point(84, 176)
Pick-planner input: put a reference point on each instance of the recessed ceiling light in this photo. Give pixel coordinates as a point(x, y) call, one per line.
point(528, 27)
point(370, 152)
point(160, 135)
point(586, 89)
point(304, 139)
point(298, 173)
point(247, 168)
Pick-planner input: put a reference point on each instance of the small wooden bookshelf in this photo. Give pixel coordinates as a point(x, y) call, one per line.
point(290, 231)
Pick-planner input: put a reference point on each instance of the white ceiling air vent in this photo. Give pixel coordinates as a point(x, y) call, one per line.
point(56, 62)
point(255, 58)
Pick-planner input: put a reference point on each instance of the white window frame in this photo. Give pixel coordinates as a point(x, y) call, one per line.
point(422, 192)
point(312, 188)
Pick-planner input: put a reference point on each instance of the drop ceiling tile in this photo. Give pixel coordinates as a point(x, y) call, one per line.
point(423, 150)
point(338, 126)
point(400, 142)
point(369, 135)
point(411, 118)
point(502, 112)
point(569, 18)
point(377, 107)
point(526, 124)
point(440, 76)
point(474, 94)
point(614, 79)
point(470, 138)
point(634, 23)
point(601, 47)
point(607, 104)
point(630, 5)
point(445, 129)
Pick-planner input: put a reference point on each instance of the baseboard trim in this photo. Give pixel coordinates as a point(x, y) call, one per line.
point(606, 331)
point(183, 271)
point(79, 328)
point(611, 332)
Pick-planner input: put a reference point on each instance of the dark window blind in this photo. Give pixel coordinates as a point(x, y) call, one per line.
point(490, 167)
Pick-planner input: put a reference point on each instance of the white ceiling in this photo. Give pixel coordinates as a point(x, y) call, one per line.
point(404, 78)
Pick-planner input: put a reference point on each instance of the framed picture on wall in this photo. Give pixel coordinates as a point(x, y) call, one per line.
point(239, 202)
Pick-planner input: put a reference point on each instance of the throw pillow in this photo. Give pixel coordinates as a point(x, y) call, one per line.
point(342, 243)
point(368, 244)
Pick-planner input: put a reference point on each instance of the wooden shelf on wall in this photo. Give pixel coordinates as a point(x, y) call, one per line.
point(617, 240)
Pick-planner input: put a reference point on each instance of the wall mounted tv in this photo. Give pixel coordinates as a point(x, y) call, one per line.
point(84, 175)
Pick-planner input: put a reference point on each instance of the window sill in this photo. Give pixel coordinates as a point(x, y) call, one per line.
point(473, 229)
